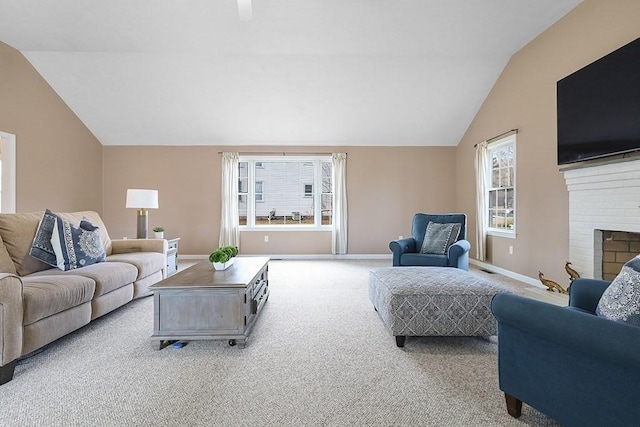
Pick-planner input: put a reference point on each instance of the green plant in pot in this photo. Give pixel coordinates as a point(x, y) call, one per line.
point(159, 232)
point(223, 254)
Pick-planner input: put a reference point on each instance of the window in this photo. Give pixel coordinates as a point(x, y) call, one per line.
point(308, 190)
point(270, 192)
point(259, 190)
point(501, 187)
point(7, 172)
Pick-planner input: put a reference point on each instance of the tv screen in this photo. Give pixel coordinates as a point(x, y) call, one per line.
point(599, 107)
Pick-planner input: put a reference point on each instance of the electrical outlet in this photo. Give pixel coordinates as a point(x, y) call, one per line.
point(510, 250)
point(400, 237)
point(266, 239)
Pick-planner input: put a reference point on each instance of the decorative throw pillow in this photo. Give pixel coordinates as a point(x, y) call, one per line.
point(621, 300)
point(76, 247)
point(41, 247)
point(438, 237)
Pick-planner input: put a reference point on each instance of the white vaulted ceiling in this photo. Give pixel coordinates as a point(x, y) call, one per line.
point(300, 72)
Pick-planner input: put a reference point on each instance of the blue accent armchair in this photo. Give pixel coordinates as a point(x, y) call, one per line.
point(407, 251)
point(576, 367)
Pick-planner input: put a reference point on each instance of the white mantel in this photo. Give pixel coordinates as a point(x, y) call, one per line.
point(602, 197)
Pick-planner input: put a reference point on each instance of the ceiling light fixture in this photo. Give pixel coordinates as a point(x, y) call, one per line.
point(244, 10)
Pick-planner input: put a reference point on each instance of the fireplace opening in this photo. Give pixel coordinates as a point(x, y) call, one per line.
point(618, 247)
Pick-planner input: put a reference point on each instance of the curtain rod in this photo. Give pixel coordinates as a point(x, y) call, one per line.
point(279, 153)
point(498, 136)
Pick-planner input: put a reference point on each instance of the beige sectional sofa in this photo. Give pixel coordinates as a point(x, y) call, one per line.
point(39, 304)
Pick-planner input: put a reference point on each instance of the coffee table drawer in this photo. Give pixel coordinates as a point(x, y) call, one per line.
point(201, 311)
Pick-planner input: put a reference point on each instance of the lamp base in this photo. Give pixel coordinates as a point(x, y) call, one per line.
point(143, 221)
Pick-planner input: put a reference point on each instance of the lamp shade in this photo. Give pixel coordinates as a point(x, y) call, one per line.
point(142, 199)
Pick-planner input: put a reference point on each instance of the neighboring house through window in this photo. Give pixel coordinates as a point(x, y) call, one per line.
point(282, 191)
point(501, 186)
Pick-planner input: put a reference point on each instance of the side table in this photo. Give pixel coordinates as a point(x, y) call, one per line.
point(172, 256)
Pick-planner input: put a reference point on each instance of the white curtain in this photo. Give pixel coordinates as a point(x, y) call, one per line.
point(339, 223)
point(481, 164)
point(229, 225)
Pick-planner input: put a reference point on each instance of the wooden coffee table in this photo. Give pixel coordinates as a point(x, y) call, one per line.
point(200, 303)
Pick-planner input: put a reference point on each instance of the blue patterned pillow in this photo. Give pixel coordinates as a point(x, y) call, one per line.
point(76, 247)
point(438, 237)
point(621, 300)
point(41, 247)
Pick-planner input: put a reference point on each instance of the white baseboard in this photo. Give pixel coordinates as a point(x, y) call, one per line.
point(479, 264)
point(504, 272)
point(296, 256)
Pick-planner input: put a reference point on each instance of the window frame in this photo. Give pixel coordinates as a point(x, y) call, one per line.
point(500, 144)
point(260, 160)
point(304, 189)
point(7, 172)
point(260, 193)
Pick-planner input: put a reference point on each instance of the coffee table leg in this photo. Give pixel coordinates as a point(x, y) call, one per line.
point(241, 343)
point(160, 344)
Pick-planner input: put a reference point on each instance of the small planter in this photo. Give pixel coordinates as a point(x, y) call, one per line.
point(158, 234)
point(222, 257)
point(222, 265)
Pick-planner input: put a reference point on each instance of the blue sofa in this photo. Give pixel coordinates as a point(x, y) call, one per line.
point(575, 367)
point(407, 251)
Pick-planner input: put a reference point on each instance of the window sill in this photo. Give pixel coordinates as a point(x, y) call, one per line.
point(504, 234)
point(285, 228)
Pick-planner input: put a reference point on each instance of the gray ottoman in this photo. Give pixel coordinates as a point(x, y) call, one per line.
point(433, 301)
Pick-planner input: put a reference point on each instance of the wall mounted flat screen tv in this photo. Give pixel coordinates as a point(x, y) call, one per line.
point(599, 107)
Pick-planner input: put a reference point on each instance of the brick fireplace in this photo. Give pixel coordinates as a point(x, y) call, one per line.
point(618, 247)
point(604, 213)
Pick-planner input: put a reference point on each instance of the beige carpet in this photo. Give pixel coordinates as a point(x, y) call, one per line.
point(319, 356)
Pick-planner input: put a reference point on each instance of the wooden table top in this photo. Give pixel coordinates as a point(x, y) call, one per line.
point(202, 275)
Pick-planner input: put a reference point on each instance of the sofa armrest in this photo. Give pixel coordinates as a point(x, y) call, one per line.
point(459, 254)
point(401, 246)
point(124, 246)
point(586, 293)
point(605, 339)
point(11, 315)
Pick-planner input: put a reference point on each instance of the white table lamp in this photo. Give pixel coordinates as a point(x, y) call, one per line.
point(142, 200)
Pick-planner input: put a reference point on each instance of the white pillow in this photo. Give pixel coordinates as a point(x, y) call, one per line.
point(621, 300)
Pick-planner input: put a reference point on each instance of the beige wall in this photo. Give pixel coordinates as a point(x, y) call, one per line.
point(524, 97)
point(385, 186)
point(59, 162)
point(61, 165)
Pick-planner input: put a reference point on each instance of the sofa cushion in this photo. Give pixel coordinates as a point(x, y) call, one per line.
point(431, 260)
point(45, 295)
point(17, 231)
point(76, 247)
point(146, 263)
point(6, 263)
point(621, 300)
point(107, 276)
point(438, 237)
